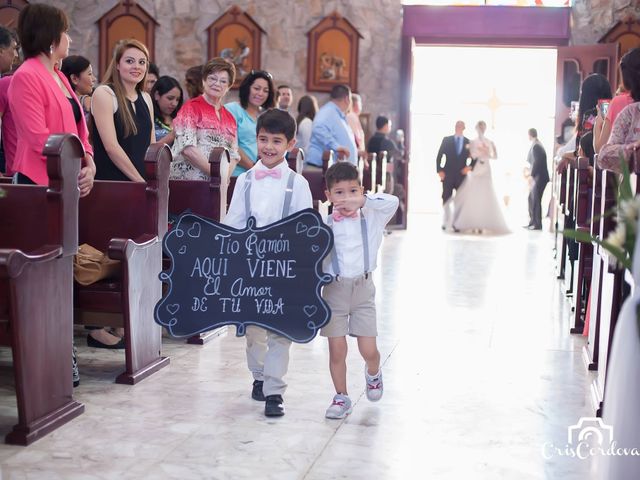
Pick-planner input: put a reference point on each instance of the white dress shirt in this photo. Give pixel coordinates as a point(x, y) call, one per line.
point(267, 197)
point(347, 235)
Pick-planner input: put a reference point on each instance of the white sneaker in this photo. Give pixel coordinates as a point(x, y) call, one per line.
point(340, 407)
point(374, 385)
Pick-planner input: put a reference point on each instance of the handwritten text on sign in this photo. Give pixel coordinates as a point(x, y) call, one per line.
point(269, 276)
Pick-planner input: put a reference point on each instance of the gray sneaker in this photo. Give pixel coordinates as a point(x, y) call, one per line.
point(374, 385)
point(340, 407)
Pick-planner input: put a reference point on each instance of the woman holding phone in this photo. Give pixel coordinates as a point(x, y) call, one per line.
point(629, 66)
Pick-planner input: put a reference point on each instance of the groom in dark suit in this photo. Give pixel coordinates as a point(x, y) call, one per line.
point(452, 172)
point(539, 177)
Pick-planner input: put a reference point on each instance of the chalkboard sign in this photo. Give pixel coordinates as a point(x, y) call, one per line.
point(269, 276)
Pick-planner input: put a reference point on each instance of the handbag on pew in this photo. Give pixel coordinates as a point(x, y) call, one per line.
point(90, 265)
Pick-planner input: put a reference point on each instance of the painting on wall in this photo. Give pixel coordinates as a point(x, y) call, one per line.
point(236, 37)
point(332, 54)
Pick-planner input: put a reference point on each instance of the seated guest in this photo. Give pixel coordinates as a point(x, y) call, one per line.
point(8, 50)
point(43, 96)
point(193, 81)
point(8, 57)
point(284, 97)
point(307, 109)
point(353, 119)
point(80, 75)
point(203, 123)
point(122, 114)
point(167, 100)
point(46, 102)
point(256, 95)
point(379, 143)
point(625, 135)
point(153, 73)
point(331, 131)
point(602, 127)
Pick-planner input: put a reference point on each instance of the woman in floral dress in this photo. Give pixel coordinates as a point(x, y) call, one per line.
point(203, 124)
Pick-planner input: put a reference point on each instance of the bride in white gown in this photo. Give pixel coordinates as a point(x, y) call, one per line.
point(476, 206)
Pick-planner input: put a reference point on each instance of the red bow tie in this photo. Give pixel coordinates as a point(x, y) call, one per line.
point(338, 217)
point(260, 174)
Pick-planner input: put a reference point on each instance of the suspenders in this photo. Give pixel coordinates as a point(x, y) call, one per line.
point(365, 248)
point(288, 195)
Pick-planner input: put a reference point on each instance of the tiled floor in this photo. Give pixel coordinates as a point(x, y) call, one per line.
point(480, 371)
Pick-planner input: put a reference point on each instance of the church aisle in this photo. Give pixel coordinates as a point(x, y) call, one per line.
point(479, 368)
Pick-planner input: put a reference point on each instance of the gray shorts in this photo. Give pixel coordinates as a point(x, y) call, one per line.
point(353, 307)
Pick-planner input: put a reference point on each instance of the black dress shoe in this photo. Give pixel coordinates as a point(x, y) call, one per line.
point(92, 342)
point(274, 406)
point(534, 227)
point(256, 391)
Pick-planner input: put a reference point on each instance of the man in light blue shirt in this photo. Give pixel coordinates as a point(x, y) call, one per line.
point(331, 131)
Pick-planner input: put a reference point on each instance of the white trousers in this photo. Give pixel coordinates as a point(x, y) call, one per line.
point(268, 358)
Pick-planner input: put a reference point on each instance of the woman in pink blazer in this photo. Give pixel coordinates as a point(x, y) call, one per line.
point(41, 97)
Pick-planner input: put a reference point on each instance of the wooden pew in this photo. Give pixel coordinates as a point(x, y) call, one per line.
point(206, 198)
point(316, 178)
point(582, 219)
point(128, 220)
point(612, 289)
point(295, 159)
point(36, 280)
point(559, 188)
point(381, 172)
point(590, 350)
point(368, 171)
point(571, 246)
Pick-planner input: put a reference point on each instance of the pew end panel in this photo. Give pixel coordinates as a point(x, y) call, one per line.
point(36, 280)
point(128, 221)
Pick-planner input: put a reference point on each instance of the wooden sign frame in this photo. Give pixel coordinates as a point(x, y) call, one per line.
point(237, 37)
point(332, 54)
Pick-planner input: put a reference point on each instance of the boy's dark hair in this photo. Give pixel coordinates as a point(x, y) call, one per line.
point(339, 172)
point(381, 121)
point(533, 132)
point(277, 121)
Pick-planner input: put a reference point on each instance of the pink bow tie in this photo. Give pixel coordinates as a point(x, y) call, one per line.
point(273, 173)
point(338, 217)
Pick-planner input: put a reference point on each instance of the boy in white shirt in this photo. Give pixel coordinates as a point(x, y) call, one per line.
point(358, 223)
point(269, 191)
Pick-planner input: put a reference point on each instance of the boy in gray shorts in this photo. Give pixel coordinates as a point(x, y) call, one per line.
point(358, 223)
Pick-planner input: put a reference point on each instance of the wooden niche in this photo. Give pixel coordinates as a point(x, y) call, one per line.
point(125, 20)
point(237, 37)
point(626, 33)
point(9, 11)
point(332, 54)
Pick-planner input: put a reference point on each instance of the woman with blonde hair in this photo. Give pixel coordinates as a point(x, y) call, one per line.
point(122, 131)
point(123, 115)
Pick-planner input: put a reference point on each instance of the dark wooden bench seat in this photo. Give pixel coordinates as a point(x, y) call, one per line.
point(36, 282)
